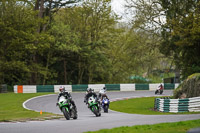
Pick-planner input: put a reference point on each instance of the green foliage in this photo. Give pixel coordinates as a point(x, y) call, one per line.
point(189, 87)
point(71, 45)
point(181, 35)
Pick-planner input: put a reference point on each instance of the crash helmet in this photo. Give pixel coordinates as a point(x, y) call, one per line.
point(104, 88)
point(62, 89)
point(89, 90)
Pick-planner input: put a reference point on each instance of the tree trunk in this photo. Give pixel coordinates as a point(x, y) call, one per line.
point(65, 72)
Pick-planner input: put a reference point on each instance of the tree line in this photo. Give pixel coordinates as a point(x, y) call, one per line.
point(81, 42)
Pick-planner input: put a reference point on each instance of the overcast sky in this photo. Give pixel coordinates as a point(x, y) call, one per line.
point(117, 6)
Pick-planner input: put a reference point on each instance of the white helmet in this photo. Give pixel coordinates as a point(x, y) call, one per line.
point(62, 89)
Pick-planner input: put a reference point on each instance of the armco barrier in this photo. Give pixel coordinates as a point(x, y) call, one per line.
point(177, 105)
point(83, 87)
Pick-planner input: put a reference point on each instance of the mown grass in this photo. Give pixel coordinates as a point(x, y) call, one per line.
point(11, 108)
point(139, 106)
point(176, 127)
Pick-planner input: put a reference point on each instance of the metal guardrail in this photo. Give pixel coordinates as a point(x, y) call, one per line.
point(177, 105)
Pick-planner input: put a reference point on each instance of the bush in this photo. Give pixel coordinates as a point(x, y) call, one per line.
point(189, 88)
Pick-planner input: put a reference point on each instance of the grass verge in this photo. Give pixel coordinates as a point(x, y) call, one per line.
point(11, 108)
point(139, 106)
point(177, 127)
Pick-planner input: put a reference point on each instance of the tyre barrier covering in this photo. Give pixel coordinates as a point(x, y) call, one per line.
point(177, 105)
point(83, 87)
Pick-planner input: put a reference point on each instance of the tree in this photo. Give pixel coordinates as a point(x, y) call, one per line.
point(89, 21)
point(181, 34)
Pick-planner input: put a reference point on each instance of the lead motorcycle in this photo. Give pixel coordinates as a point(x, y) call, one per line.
point(159, 90)
point(105, 104)
point(66, 107)
point(94, 105)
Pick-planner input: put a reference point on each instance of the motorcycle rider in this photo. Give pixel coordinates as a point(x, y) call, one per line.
point(102, 93)
point(161, 87)
point(90, 92)
point(67, 95)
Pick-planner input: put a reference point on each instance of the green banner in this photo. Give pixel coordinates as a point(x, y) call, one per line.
point(141, 86)
point(79, 87)
point(168, 86)
point(45, 88)
point(112, 87)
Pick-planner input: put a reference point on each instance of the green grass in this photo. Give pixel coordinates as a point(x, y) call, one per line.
point(176, 127)
point(11, 108)
point(139, 106)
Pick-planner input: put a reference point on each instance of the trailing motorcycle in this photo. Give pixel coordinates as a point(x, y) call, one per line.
point(159, 90)
point(94, 105)
point(66, 107)
point(105, 104)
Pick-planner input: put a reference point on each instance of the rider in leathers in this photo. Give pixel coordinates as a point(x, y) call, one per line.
point(67, 95)
point(90, 92)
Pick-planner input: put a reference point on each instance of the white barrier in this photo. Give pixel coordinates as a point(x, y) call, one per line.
point(29, 89)
point(127, 87)
point(178, 105)
point(153, 87)
point(67, 88)
point(176, 86)
point(15, 89)
point(96, 87)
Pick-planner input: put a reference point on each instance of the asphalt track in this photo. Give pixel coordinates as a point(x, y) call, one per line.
point(86, 119)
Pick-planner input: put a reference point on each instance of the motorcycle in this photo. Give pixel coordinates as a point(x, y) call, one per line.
point(105, 104)
point(94, 106)
point(67, 109)
point(159, 90)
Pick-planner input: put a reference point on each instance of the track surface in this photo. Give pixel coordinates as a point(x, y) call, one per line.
point(86, 119)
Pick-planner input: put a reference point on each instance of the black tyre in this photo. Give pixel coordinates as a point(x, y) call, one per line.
point(156, 91)
point(161, 91)
point(66, 113)
point(95, 111)
point(75, 114)
point(106, 108)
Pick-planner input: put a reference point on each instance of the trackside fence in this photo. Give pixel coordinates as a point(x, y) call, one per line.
point(177, 105)
point(96, 87)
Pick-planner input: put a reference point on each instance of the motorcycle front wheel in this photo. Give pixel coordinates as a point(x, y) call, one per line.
point(156, 91)
point(66, 113)
point(96, 111)
point(106, 108)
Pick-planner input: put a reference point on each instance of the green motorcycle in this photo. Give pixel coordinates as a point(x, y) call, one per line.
point(67, 109)
point(94, 106)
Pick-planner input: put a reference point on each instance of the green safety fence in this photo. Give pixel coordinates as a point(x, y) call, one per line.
point(113, 87)
point(45, 88)
point(168, 86)
point(79, 87)
point(141, 86)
